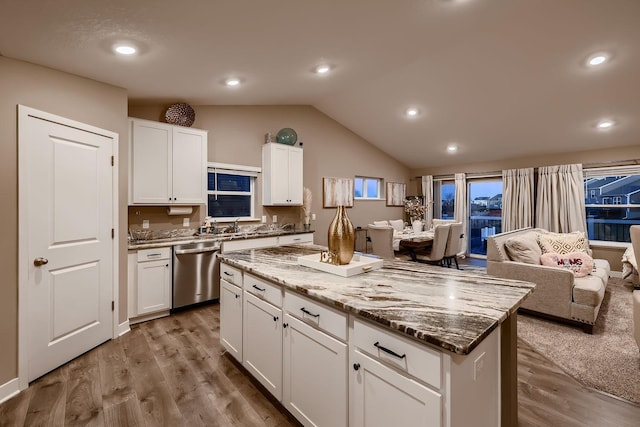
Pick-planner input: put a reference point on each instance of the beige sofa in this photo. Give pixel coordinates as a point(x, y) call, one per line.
point(558, 294)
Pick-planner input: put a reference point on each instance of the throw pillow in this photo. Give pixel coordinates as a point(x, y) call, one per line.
point(381, 223)
point(524, 248)
point(579, 263)
point(397, 224)
point(563, 243)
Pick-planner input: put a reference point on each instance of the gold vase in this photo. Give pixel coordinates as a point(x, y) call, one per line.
point(341, 237)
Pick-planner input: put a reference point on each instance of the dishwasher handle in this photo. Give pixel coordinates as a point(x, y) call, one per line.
point(196, 250)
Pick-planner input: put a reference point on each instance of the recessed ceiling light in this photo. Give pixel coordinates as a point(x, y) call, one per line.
point(605, 124)
point(412, 112)
point(597, 59)
point(232, 81)
point(125, 49)
point(323, 69)
point(452, 148)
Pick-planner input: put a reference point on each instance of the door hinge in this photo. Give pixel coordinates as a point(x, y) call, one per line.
point(113, 233)
point(113, 161)
point(113, 305)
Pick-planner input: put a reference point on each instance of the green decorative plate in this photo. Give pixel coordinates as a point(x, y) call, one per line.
point(287, 136)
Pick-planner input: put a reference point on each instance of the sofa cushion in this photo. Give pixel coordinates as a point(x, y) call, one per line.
point(524, 248)
point(397, 224)
point(579, 263)
point(381, 223)
point(563, 243)
point(588, 290)
point(603, 266)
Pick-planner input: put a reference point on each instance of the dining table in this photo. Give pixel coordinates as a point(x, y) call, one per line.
point(413, 242)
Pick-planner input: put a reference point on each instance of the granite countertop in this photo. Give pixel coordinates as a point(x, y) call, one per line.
point(452, 309)
point(171, 241)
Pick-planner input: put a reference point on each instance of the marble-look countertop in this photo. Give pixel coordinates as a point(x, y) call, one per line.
point(171, 241)
point(452, 309)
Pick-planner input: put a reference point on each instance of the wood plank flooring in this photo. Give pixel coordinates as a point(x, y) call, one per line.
point(172, 372)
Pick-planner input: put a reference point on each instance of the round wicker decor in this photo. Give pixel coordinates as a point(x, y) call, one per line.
point(180, 114)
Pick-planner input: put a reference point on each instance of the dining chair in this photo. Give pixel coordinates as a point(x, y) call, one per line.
point(440, 237)
point(454, 244)
point(381, 237)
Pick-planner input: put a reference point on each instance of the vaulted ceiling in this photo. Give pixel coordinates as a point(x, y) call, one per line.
point(496, 78)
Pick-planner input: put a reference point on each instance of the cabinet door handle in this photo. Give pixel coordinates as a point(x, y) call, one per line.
point(284, 325)
point(307, 312)
point(167, 265)
point(356, 366)
point(228, 274)
point(260, 289)
point(391, 352)
point(275, 318)
point(237, 296)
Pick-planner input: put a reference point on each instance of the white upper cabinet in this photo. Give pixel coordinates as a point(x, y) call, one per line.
point(282, 175)
point(168, 164)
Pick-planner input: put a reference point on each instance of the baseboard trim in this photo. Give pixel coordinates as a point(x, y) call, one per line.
point(123, 328)
point(9, 389)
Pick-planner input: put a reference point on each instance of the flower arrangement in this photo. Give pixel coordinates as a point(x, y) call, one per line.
point(306, 204)
point(414, 208)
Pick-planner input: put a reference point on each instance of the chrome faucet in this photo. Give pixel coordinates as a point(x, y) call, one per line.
point(236, 227)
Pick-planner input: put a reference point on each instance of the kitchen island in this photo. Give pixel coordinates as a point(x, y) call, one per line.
point(440, 344)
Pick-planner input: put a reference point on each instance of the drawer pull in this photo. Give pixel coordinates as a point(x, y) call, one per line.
point(391, 352)
point(228, 274)
point(307, 312)
point(297, 240)
point(150, 255)
point(260, 289)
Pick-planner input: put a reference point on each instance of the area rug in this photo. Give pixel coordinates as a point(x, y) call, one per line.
point(608, 360)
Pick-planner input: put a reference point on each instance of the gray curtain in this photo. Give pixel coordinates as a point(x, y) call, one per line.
point(560, 201)
point(427, 195)
point(460, 208)
point(517, 198)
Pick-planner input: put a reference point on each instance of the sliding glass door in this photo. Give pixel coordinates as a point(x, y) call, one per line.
point(485, 213)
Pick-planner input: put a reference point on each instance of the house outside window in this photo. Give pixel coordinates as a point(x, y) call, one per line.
point(367, 188)
point(616, 205)
point(444, 197)
point(231, 191)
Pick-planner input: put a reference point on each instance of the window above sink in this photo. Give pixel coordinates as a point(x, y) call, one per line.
point(231, 191)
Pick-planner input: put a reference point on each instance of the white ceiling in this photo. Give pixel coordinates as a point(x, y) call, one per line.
point(500, 78)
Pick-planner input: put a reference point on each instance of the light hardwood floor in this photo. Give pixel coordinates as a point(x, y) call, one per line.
point(172, 372)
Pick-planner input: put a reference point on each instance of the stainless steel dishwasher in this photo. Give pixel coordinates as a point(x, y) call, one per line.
point(194, 273)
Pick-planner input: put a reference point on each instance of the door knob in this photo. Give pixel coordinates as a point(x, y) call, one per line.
point(40, 261)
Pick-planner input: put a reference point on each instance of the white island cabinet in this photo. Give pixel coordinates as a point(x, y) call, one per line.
point(282, 175)
point(332, 368)
point(231, 310)
point(168, 164)
point(315, 362)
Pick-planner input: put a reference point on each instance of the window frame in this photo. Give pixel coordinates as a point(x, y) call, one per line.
point(380, 185)
point(608, 202)
point(231, 169)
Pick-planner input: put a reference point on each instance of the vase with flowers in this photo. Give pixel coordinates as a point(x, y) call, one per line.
point(306, 208)
point(415, 209)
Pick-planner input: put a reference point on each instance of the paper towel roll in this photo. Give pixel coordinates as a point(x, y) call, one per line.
point(179, 210)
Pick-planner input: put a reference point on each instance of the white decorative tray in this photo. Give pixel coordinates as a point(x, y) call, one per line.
point(359, 264)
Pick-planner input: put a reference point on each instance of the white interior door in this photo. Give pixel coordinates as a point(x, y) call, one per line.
point(68, 208)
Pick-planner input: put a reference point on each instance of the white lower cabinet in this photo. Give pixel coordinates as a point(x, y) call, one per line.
point(231, 318)
point(381, 396)
point(262, 342)
point(153, 281)
point(315, 375)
